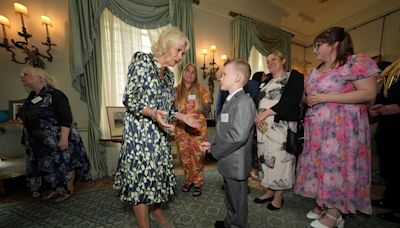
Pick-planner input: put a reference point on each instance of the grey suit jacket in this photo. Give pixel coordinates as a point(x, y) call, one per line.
point(233, 137)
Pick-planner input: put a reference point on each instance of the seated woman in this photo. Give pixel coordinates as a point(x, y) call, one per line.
point(55, 155)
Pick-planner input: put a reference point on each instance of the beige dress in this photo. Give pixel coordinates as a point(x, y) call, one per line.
point(276, 165)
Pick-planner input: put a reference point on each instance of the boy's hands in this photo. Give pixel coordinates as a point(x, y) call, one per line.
point(205, 147)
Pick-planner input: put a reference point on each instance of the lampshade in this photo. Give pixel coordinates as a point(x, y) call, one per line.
point(19, 8)
point(4, 20)
point(46, 20)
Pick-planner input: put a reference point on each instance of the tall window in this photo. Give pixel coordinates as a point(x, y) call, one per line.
point(257, 61)
point(119, 41)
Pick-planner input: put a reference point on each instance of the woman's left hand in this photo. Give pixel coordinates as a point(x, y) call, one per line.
point(158, 115)
point(191, 120)
point(260, 116)
point(63, 143)
point(315, 99)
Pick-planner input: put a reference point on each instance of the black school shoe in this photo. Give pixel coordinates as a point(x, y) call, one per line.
point(219, 224)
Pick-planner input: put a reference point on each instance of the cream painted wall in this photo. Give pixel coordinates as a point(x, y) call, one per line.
point(10, 86)
point(205, 35)
point(367, 38)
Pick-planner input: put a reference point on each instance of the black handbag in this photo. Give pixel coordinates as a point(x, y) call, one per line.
point(295, 140)
point(293, 145)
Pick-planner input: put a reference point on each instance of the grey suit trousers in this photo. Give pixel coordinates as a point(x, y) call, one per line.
point(236, 194)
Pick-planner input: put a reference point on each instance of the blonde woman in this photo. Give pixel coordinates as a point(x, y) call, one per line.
point(145, 174)
point(278, 110)
point(55, 152)
point(191, 97)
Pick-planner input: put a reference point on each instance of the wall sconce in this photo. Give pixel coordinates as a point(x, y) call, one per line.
point(33, 55)
point(211, 73)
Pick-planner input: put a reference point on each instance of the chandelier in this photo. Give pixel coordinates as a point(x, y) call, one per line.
point(211, 74)
point(32, 54)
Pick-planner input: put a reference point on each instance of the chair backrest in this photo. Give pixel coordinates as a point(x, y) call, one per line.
point(10, 141)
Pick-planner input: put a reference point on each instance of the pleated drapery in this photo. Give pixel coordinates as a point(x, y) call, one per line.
point(246, 33)
point(85, 53)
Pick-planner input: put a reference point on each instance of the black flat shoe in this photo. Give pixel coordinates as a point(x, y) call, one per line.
point(219, 224)
point(271, 207)
point(258, 200)
point(380, 203)
point(390, 216)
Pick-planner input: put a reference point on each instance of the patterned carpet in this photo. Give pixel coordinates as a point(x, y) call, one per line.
point(102, 208)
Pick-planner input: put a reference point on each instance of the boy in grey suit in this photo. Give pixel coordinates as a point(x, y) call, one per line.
point(232, 143)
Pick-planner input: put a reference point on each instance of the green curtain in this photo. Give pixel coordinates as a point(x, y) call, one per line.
point(246, 33)
point(182, 18)
point(85, 59)
point(85, 53)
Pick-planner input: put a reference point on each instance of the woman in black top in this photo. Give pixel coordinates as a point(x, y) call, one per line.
point(54, 149)
point(278, 110)
point(387, 111)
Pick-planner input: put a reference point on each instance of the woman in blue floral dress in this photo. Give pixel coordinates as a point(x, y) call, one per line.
point(145, 175)
point(55, 155)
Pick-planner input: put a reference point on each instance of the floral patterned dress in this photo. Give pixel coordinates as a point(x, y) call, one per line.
point(47, 166)
point(276, 165)
point(188, 140)
point(145, 169)
point(334, 167)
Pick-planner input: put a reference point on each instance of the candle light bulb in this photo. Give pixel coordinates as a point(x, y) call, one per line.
point(4, 20)
point(46, 20)
point(213, 48)
point(204, 51)
point(224, 57)
point(19, 8)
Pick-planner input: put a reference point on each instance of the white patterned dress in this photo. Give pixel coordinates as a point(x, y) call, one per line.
point(276, 165)
point(145, 170)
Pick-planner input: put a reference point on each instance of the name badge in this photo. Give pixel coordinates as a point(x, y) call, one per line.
point(224, 117)
point(36, 100)
point(192, 97)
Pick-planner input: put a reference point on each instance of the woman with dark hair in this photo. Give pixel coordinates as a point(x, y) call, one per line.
point(191, 97)
point(334, 167)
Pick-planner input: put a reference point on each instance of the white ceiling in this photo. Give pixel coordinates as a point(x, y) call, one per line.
point(306, 18)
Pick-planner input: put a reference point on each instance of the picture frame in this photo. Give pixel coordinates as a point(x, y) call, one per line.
point(116, 120)
point(13, 107)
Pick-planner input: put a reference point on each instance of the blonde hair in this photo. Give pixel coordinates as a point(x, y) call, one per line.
point(38, 72)
point(277, 53)
point(171, 36)
point(182, 93)
point(240, 66)
point(390, 74)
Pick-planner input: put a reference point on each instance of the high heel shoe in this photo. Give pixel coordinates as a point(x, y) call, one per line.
point(312, 215)
point(339, 222)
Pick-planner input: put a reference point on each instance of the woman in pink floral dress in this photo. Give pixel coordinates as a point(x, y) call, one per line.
point(334, 167)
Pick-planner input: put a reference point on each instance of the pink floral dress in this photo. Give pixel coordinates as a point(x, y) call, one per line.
point(334, 167)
